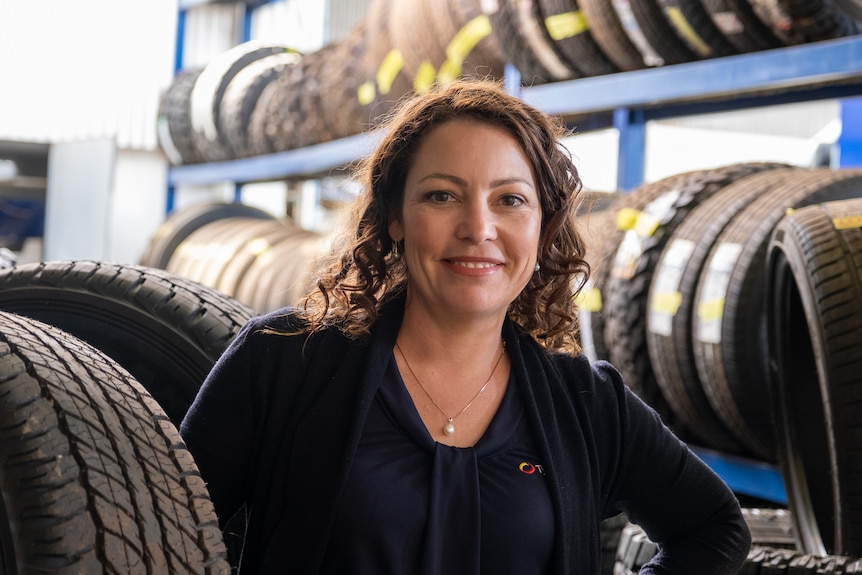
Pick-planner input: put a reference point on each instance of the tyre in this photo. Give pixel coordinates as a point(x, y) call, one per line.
point(174, 124)
point(815, 357)
point(671, 305)
point(729, 331)
point(181, 223)
point(608, 229)
point(741, 26)
point(506, 22)
point(609, 31)
point(241, 96)
point(94, 477)
point(650, 31)
point(166, 330)
point(567, 27)
point(692, 23)
point(208, 91)
point(632, 272)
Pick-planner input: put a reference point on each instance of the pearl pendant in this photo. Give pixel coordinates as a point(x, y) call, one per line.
point(449, 429)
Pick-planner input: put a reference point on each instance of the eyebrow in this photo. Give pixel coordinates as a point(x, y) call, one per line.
point(460, 181)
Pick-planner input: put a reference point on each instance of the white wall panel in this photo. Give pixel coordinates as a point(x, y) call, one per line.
point(299, 24)
point(84, 70)
point(209, 31)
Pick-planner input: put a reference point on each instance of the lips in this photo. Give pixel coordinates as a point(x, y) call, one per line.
point(474, 265)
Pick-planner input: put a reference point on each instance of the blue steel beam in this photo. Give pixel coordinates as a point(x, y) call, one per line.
point(745, 476)
point(303, 162)
point(733, 76)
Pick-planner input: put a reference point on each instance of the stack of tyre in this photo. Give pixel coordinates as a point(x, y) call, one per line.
point(98, 364)
point(258, 98)
point(731, 301)
point(238, 250)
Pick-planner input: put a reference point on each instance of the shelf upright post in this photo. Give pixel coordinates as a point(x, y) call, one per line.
point(849, 143)
point(630, 123)
point(178, 65)
point(512, 80)
point(245, 34)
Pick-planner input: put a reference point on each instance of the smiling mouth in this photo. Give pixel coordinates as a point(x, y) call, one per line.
point(474, 265)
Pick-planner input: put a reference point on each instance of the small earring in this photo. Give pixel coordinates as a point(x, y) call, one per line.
point(396, 251)
point(538, 266)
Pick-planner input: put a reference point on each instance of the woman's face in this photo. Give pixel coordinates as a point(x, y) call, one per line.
point(470, 221)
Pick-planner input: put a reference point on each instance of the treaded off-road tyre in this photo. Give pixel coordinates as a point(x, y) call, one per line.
point(771, 550)
point(815, 353)
point(729, 331)
point(166, 330)
point(94, 477)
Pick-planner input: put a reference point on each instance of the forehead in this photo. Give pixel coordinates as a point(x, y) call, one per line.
point(465, 140)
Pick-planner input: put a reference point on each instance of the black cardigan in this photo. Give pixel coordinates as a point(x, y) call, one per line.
point(277, 422)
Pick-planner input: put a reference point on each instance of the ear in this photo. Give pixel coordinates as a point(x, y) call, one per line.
point(396, 229)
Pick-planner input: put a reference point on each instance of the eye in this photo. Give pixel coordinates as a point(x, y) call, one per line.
point(512, 200)
point(438, 196)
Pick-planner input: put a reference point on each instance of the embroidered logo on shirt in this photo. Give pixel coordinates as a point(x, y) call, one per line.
point(528, 468)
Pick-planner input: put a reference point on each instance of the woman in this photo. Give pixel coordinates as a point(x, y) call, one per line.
point(425, 410)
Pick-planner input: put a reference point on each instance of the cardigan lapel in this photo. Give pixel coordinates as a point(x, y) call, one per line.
point(326, 439)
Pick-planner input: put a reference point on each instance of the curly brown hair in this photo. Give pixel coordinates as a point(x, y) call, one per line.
point(361, 273)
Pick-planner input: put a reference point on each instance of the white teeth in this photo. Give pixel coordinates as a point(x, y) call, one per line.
point(474, 265)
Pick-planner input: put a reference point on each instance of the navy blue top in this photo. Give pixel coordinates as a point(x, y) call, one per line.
point(412, 505)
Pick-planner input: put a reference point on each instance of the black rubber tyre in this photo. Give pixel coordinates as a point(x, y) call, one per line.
point(815, 357)
point(634, 551)
point(692, 23)
point(609, 31)
point(730, 324)
point(852, 8)
point(209, 89)
point(174, 124)
point(505, 22)
point(770, 527)
point(771, 536)
point(94, 477)
point(741, 26)
point(627, 288)
point(607, 229)
point(804, 21)
point(766, 560)
point(181, 223)
point(651, 25)
point(165, 330)
point(671, 305)
point(241, 96)
point(567, 27)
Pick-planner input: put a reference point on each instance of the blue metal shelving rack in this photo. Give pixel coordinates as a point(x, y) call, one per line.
point(626, 101)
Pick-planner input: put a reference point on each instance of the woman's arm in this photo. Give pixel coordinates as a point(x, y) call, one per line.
point(677, 499)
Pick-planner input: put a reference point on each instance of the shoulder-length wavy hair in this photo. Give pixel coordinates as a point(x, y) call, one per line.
point(361, 273)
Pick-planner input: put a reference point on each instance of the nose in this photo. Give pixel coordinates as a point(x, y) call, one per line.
point(477, 223)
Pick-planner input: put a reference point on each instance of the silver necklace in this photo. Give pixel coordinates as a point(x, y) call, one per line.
point(449, 428)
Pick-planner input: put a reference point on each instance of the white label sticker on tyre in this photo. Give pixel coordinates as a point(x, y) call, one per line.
point(648, 221)
point(710, 305)
point(665, 297)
